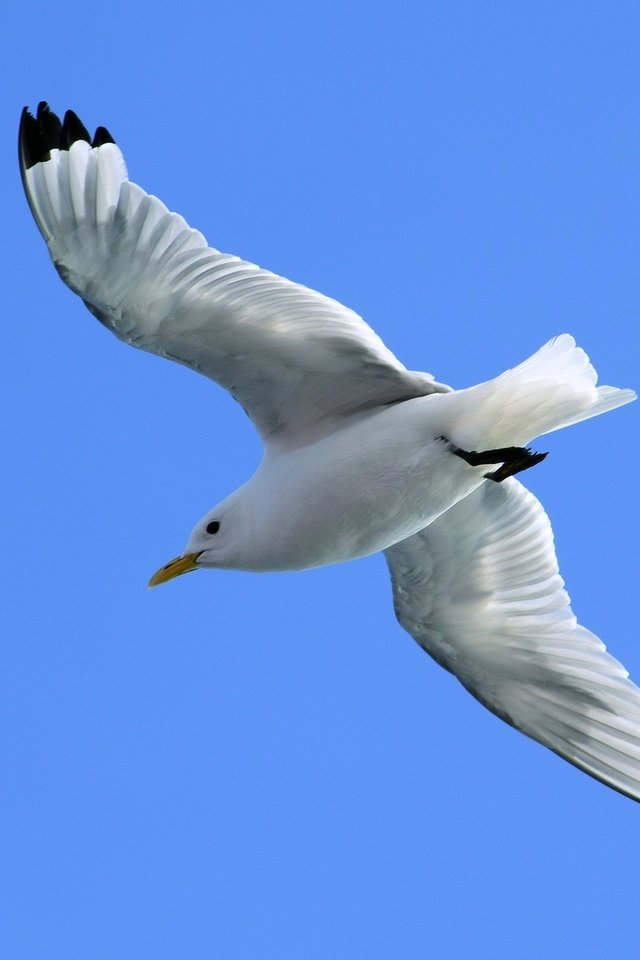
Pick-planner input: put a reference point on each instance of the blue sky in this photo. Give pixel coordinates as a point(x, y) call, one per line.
point(248, 766)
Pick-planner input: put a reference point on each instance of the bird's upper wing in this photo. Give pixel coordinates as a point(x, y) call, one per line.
point(479, 589)
point(296, 360)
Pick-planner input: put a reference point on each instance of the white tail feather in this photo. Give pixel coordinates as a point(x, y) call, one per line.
point(553, 388)
point(608, 399)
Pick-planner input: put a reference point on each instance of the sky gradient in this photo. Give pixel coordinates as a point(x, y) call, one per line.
point(266, 766)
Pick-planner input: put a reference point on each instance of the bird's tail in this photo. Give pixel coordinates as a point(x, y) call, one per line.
point(551, 389)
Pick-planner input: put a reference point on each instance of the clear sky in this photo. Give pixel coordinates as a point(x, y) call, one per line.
point(267, 767)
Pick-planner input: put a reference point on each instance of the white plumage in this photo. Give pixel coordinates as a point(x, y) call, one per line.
point(479, 589)
point(361, 454)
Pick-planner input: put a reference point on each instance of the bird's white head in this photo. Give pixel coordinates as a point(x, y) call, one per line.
point(215, 541)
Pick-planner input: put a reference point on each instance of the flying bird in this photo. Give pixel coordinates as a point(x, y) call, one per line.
point(360, 454)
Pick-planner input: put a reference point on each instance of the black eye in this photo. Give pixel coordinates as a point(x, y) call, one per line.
point(213, 526)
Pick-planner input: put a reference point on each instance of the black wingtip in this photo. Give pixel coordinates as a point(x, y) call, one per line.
point(49, 124)
point(101, 136)
point(43, 133)
point(72, 129)
point(32, 143)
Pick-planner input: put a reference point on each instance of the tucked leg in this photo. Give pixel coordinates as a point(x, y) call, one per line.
point(513, 459)
point(517, 465)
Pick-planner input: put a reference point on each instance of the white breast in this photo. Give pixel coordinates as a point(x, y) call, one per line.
point(365, 487)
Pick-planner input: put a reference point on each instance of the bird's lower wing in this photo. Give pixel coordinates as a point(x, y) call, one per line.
point(296, 360)
point(479, 589)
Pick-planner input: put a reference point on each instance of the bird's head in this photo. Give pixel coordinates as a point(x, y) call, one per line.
point(215, 541)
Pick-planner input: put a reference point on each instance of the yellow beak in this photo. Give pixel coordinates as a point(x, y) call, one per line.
point(174, 568)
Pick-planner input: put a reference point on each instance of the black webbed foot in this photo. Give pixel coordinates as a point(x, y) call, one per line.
point(517, 465)
point(512, 459)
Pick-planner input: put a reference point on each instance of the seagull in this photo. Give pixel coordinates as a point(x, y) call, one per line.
point(360, 454)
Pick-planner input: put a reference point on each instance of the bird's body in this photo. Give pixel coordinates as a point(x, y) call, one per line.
point(361, 455)
point(319, 510)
